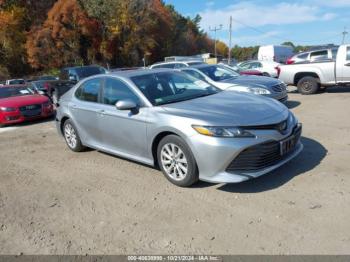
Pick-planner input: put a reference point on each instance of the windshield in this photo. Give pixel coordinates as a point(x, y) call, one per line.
point(171, 87)
point(17, 82)
point(84, 72)
point(218, 73)
point(6, 92)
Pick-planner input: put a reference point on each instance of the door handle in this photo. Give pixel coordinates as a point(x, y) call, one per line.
point(348, 64)
point(101, 112)
point(74, 106)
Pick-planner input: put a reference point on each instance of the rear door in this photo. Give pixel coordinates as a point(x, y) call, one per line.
point(84, 108)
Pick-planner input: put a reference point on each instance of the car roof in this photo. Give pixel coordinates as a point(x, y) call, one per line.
point(132, 73)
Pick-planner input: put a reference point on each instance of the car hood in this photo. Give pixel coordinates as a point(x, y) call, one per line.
point(18, 101)
point(230, 108)
point(250, 80)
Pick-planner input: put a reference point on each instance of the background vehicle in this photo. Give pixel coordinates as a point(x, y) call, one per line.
point(176, 64)
point(266, 68)
point(277, 53)
point(19, 104)
point(187, 127)
point(310, 77)
point(80, 72)
point(53, 89)
point(242, 71)
point(15, 82)
point(313, 56)
point(225, 79)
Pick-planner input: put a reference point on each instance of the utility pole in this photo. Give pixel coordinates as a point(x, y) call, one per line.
point(215, 29)
point(230, 43)
point(344, 35)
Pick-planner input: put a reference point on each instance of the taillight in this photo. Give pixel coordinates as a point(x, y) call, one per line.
point(278, 71)
point(46, 86)
point(290, 61)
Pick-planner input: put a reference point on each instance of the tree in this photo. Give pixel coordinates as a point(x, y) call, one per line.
point(68, 37)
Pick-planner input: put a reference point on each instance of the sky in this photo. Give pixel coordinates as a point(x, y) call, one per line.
point(264, 22)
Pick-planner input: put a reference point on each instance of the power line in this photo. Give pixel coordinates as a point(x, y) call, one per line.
point(215, 29)
point(281, 38)
point(344, 33)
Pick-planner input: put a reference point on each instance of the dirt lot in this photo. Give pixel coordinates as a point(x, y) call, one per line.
point(54, 201)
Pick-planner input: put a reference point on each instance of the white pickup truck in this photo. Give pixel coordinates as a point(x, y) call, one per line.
point(310, 77)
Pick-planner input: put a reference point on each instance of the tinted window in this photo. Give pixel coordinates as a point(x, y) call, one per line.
point(115, 90)
point(17, 82)
point(348, 53)
point(303, 56)
point(179, 65)
point(319, 55)
point(171, 87)
point(89, 91)
point(84, 72)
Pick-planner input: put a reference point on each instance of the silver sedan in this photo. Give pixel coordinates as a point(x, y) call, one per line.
point(188, 128)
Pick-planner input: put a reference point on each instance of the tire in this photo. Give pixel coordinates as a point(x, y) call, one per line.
point(266, 74)
point(185, 172)
point(308, 85)
point(71, 136)
point(2, 125)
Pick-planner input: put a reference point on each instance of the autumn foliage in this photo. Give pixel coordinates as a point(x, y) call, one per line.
point(45, 34)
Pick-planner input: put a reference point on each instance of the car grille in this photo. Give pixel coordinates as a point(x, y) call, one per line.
point(31, 110)
point(279, 88)
point(261, 156)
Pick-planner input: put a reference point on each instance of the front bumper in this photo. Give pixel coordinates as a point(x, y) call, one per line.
point(223, 151)
point(11, 118)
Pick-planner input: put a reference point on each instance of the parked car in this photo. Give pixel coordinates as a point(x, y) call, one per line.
point(310, 77)
point(53, 89)
point(19, 104)
point(314, 56)
point(189, 128)
point(176, 64)
point(241, 71)
point(80, 72)
point(276, 53)
point(266, 68)
point(15, 82)
point(224, 79)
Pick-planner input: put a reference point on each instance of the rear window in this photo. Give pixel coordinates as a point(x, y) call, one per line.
point(172, 66)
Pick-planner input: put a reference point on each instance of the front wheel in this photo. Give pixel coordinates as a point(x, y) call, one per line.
point(72, 137)
point(177, 161)
point(308, 85)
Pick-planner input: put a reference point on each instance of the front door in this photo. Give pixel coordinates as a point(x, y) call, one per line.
point(123, 131)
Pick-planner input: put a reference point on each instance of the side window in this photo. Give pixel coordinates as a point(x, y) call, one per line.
point(115, 90)
point(303, 56)
point(319, 55)
point(164, 66)
point(89, 90)
point(348, 53)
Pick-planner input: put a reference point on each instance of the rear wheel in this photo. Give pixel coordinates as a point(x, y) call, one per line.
point(177, 161)
point(308, 85)
point(71, 136)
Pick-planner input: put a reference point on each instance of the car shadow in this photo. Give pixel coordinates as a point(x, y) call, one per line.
point(309, 158)
point(292, 104)
point(337, 89)
point(35, 122)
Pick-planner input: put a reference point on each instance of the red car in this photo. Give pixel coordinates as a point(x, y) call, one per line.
point(19, 104)
point(251, 72)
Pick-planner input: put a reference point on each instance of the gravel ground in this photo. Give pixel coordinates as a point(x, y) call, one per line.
point(54, 201)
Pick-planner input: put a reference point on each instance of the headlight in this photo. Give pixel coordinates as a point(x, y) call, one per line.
point(259, 91)
point(216, 131)
point(7, 109)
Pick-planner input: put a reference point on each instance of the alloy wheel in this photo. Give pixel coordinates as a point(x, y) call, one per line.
point(70, 135)
point(174, 161)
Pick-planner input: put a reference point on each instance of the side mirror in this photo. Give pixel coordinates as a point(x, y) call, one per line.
point(72, 78)
point(126, 105)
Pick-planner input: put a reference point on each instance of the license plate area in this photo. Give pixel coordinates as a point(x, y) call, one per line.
point(287, 145)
